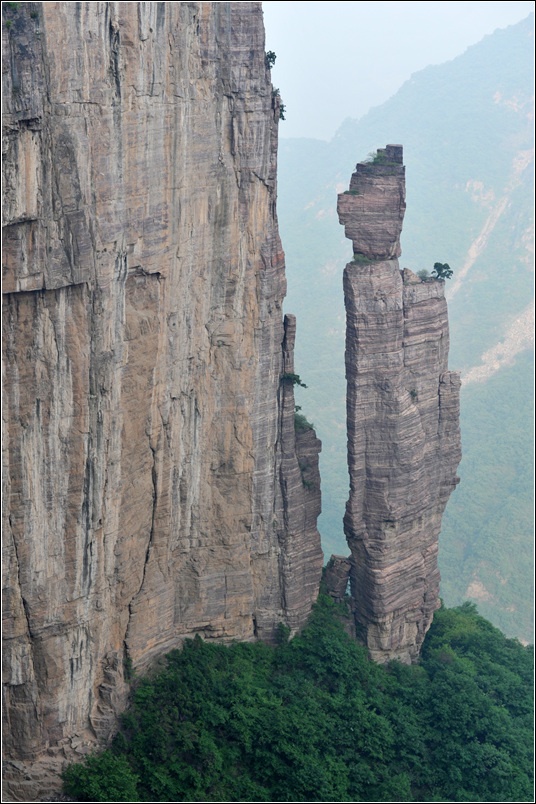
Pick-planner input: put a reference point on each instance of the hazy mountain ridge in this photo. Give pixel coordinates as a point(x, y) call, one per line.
point(467, 132)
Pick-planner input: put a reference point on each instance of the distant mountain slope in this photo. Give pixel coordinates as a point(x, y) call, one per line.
point(467, 131)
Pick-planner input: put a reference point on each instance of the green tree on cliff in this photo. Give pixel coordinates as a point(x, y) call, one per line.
point(269, 58)
point(441, 270)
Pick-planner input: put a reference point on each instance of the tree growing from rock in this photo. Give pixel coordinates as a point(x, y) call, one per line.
point(442, 270)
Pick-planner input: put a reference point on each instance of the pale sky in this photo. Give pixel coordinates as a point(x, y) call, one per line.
point(338, 59)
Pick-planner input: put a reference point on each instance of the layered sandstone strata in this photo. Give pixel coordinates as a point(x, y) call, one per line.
point(152, 481)
point(402, 418)
point(297, 504)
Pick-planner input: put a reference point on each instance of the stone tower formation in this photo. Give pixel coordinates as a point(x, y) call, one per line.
point(402, 418)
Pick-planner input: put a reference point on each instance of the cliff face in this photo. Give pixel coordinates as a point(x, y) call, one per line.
point(153, 484)
point(402, 418)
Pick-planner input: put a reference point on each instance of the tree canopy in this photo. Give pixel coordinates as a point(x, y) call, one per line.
point(314, 720)
point(442, 270)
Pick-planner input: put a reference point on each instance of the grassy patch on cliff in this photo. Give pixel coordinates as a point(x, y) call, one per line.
point(315, 720)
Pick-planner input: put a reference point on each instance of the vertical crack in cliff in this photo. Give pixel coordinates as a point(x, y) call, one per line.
point(402, 457)
point(154, 479)
point(115, 51)
point(150, 542)
point(19, 581)
point(86, 518)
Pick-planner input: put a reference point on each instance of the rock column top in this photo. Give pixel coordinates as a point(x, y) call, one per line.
point(372, 209)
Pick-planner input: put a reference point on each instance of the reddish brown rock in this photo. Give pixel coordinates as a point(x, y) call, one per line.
point(337, 577)
point(403, 426)
point(298, 499)
point(151, 479)
point(372, 210)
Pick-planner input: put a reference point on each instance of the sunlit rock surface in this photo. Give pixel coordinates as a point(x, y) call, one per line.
point(152, 483)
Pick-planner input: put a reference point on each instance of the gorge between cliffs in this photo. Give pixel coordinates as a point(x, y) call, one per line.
point(155, 485)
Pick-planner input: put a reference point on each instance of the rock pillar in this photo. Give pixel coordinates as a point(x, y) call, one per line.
point(402, 418)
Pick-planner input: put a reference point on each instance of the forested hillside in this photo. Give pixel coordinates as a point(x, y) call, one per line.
point(467, 131)
point(315, 720)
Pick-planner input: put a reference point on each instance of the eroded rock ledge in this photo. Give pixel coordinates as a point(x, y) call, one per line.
point(153, 484)
point(402, 419)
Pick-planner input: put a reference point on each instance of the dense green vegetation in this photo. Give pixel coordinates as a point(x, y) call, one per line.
point(315, 720)
point(301, 422)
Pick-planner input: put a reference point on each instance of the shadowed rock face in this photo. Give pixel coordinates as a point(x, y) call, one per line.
point(402, 420)
point(153, 484)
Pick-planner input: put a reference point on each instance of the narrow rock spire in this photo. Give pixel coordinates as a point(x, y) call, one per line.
point(402, 418)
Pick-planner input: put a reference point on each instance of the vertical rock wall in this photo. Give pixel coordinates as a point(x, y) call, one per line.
point(402, 418)
point(152, 481)
point(298, 497)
